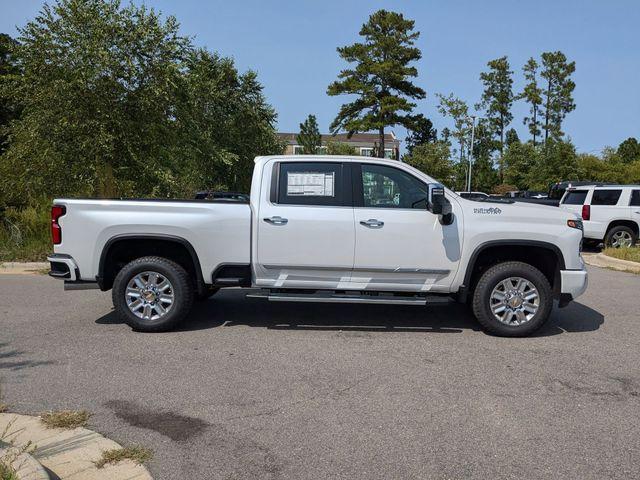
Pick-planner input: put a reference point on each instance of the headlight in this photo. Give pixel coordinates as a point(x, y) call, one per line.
point(575, 224)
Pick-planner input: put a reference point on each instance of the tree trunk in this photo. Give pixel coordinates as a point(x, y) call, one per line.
point(535, 123)
point(381, 148)
point(546, 112)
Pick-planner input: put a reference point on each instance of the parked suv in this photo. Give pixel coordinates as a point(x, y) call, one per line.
point(610, 213)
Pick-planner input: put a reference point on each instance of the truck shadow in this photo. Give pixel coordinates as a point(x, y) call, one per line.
point(230, 308)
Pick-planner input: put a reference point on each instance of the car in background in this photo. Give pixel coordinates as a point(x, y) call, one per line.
point(610, 213)
point(222, 196)
point(473, 195)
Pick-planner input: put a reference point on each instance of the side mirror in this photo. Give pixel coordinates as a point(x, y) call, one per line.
point(438, 203)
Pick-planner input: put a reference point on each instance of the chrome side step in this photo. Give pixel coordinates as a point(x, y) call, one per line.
point(341, 298)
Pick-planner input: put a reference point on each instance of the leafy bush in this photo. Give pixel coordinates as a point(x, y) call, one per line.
point(24, 233)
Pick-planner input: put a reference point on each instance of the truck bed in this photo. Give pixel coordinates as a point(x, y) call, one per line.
point(219, 231)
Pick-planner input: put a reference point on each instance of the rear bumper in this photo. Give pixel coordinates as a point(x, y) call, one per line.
point(573, 284)
point(65, 268)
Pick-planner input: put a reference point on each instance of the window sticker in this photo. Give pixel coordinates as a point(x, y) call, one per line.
point(312, 184)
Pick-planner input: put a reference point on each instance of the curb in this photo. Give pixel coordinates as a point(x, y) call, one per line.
point(602, 260)
point(23, 268)
point(70, 454)
point(26, 467)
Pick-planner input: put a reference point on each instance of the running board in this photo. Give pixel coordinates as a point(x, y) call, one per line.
point(336, 298)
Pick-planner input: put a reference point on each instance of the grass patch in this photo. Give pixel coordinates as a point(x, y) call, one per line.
point(138, 454)
point(65, 419)
point(631, 254)
point(7, 472)
point(24, 233)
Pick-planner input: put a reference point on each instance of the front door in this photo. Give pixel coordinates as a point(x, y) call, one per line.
point(305, 230)
point(400, 245)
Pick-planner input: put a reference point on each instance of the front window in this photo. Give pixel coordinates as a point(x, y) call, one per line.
point(388, 187)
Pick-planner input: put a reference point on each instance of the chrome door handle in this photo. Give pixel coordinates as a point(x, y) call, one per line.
point(276, 220)
point(372, 223)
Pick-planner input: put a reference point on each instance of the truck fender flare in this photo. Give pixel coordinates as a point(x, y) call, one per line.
point(464, 289)
point(150, 236)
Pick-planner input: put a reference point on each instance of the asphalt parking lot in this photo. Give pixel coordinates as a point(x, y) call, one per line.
point(294, 391)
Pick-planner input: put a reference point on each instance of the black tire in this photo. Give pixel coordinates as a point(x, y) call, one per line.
point(201, 297)
point(610, 236)
point(491, 278)
point(182, 290)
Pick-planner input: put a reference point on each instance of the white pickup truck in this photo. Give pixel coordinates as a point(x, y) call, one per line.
point(324, 229)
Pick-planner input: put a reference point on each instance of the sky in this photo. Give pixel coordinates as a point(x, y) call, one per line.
point(292, 46)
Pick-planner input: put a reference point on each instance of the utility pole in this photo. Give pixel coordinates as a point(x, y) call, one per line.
point(473, 132)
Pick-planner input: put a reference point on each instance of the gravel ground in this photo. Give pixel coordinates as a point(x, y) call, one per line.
point(294, 391)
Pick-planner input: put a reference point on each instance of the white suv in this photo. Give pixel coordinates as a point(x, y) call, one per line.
point(609, 213)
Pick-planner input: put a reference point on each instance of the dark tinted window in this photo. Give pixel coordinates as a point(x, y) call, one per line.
point(575, 197)
point(388, 187)
point(311, 183)
point(605, 197)
point(635, 198)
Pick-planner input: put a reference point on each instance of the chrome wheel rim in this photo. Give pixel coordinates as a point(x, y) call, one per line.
point(149, 295)
point(514, 301)
point(621, 239)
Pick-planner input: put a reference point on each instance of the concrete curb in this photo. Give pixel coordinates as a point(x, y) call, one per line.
point(70, 454)
point(26, 467)
point(602, 260)
point(23, 268)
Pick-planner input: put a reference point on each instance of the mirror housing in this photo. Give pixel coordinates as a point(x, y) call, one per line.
point(438, 203)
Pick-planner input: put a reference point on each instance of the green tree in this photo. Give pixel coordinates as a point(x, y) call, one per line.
point(519, 159)
point(340, 148)
point(484, 175)
point(117, 103)
point(511, 137)
point(309, 136)
point(433, 159)
point(497, 98)
point(9, 110)
point(381, 77)
point(557, 161)
point(422, 132)
point(558, 93)
point(456, 109)
point(629, 150)
point(532, 94)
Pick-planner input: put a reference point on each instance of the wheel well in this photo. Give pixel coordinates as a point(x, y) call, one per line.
point(120, 251)
point(625, 223)
point(546, 259)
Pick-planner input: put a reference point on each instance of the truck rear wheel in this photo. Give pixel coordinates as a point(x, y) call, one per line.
point(152, 294)
point(512, 299)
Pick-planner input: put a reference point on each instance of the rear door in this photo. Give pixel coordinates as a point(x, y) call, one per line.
point(400, 245)
point(607, 205)
point(305, 231)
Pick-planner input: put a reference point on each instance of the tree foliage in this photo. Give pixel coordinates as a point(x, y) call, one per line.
point(380, 78)
point(422, 132)
point(434, 159)
point(532, 94)
point(558, 92)
point(629, 150)
point(340, 148)
point(117, 103)
point(309, 137)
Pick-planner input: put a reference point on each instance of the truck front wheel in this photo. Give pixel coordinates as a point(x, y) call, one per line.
point(512, 299)
point(152, 294)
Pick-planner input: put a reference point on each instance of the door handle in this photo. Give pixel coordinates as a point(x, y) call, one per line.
point(372, 223)
point(276, 220)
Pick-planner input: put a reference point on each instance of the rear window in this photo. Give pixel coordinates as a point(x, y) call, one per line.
point(575, 197)
point(605, 197)
point(635, 198)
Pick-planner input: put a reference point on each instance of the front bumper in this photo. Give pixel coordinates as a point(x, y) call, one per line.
point(573, 283)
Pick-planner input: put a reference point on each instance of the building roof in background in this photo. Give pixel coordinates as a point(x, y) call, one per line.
point(357, 139)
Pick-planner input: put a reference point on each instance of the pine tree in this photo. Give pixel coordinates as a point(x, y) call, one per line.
point(381, 77)
point(309, 136)
point(558, 94)
point(532, 94)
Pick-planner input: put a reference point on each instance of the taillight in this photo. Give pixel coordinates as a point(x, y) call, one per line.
point(56, 230)
point(586, 212)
